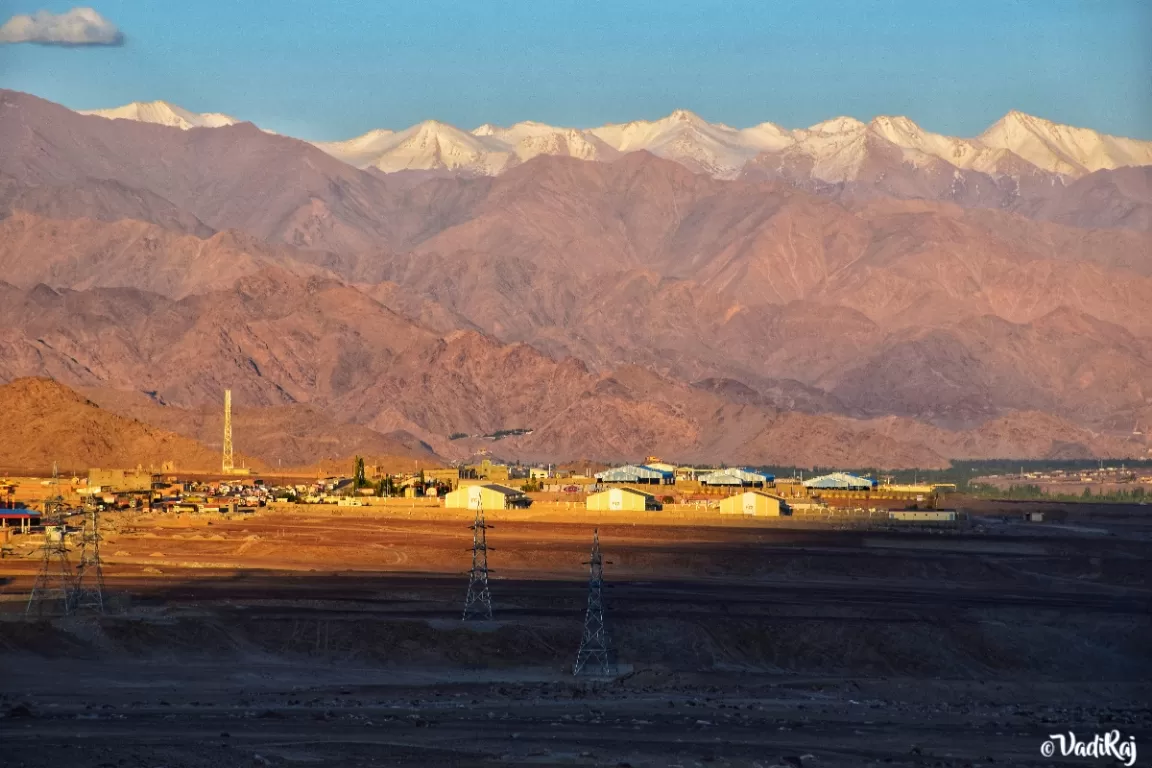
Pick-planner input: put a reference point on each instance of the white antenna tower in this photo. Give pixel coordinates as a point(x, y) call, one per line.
point(228, 464)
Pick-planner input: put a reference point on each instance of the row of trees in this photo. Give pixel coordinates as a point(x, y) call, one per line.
point(388, 484)
point(1030, 491)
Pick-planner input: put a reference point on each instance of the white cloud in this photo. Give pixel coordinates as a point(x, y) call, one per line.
point(79, 26)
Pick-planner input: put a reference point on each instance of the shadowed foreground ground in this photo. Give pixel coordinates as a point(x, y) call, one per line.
point(288, 640)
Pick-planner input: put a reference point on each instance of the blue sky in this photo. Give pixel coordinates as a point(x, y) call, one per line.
point(331, 70)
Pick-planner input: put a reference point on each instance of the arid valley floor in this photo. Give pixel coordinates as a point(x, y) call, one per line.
point(324, 639)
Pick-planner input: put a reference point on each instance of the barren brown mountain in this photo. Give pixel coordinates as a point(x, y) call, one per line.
point(706, 427)
point(279, 341)
point(44, 422)
point(238, 177)
point(287, 436)
point(574, 298)
point(640, 261)
point(86, 253)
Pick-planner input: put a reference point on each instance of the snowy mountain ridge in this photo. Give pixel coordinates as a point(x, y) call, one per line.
point(832, 151)
point(163, 113)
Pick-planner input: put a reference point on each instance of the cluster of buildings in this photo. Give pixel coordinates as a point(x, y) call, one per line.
point(650, 486)
point(139, 488)
point(1102, 475)
point(647, 487)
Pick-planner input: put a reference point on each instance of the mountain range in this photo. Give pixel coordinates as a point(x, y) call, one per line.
point(836, 149)
point(642, 303)
point(1021, 163)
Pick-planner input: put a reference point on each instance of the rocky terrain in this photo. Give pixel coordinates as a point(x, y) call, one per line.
point(43, 422)
point(288, 437)
point(616, 308)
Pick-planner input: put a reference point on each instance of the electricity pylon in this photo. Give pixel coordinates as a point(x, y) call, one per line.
point(88, 587)
point(228, 464)
point(54, 581)
point(478, 602)
point(594, 657)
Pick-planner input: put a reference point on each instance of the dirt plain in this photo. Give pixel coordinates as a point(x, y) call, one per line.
point(314, 638)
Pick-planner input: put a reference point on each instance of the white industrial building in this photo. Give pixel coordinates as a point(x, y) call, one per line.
point(840, 481)
point(742, 478)
point(636, 474)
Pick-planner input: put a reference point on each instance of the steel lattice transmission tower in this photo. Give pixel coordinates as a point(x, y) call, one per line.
point(54, 581)
point(228, 463)
point(88, 587)
point(478, 601)
point(594, 657)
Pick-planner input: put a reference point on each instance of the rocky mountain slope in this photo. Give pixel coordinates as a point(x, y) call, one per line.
point(281, 437)
point(881, 308)
point(43, 421)
point(235, 177)
point(86, 253)
point(616, 308)
point(279, 341)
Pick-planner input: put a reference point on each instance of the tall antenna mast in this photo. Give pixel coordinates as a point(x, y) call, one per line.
point(478, 602)
point(228, 463)
point(593, 658)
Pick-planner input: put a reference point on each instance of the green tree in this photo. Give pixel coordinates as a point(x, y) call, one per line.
point(358, 478)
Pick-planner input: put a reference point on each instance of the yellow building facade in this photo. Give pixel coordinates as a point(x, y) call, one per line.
point(622, 500)
point(753, 504)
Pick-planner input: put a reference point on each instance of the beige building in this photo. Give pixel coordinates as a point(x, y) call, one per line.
point(449, 476)
point(486, 470)
point(754, 504)
point(623, 500)
point(121, 480)
point(491, 495)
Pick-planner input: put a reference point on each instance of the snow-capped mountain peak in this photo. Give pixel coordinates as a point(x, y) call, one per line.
point(430, 145)
point(685, 116)
point(488, 129)
point(163, 113)
point(361, 150)
point(1064, 148)
point(961, 153)
point(685, 137)
point(839, 125)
